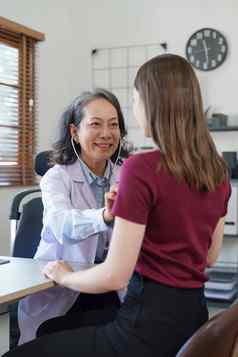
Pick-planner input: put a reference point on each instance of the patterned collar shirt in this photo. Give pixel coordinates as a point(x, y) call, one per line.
point(99, 186)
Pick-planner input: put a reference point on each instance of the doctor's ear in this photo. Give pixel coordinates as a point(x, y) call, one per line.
point(75, 139)
point(74, 133)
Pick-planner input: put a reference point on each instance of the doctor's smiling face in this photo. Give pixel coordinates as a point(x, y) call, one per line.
point(98, 134)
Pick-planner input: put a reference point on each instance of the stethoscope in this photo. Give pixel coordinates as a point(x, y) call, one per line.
point(114, 164)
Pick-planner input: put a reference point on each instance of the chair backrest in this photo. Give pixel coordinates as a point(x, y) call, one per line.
point(217, 338)
point(29, 228)
point(26, 215)
point(42, 162)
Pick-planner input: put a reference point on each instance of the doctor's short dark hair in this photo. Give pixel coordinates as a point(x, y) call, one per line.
point(63, 152)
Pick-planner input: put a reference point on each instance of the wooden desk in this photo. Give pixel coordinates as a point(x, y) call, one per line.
point(18, 278)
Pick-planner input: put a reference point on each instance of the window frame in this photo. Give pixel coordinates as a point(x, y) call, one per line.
point(25, 40)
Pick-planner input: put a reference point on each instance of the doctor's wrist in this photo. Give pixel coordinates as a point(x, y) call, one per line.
point(107, 217)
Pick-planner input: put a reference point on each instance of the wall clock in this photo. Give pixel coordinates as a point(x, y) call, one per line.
point(206, 49)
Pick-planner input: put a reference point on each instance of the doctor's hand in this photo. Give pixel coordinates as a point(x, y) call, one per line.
point(109, 200)
point(57, 271)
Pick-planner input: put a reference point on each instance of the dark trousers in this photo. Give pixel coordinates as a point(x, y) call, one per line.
point(155, 320)
point(82, 313)
point(88, 310)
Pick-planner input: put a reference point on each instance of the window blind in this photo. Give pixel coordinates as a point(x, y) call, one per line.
point(17, 109)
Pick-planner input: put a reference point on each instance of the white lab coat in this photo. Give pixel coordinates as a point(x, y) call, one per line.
point(71, 226)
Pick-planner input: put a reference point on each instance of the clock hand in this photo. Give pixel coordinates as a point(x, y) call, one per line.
point(205, 49)
point(199, 51)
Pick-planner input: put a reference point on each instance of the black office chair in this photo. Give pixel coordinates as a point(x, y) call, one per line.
point(26, 224)
point(26, 214)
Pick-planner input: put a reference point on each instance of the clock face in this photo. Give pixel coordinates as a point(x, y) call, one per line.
point(206, 49)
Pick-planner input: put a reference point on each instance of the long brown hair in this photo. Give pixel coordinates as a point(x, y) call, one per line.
point(170, 92)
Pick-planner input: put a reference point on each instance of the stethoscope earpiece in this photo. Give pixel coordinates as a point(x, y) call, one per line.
point(119, 152)
point(72, 143)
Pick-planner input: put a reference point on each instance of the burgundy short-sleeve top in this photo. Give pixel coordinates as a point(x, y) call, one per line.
point(179, 220)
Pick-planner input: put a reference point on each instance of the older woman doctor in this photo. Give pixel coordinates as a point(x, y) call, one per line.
point(76, 222)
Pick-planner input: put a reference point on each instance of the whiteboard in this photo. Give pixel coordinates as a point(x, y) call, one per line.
point(115, 69)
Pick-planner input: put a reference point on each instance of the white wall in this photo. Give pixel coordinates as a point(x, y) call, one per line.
point(73, 27)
